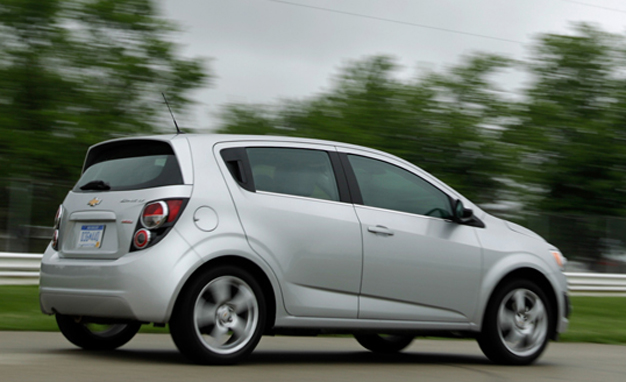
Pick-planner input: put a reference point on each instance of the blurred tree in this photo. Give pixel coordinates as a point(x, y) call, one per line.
point(571, 130)
point(445, 123)
point(571, 133)
point(75, 72)
point(467, 121)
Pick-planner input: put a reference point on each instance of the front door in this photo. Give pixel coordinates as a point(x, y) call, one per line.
point(418, 264)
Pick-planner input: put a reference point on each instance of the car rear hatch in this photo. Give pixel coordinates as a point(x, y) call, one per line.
point(101, 215)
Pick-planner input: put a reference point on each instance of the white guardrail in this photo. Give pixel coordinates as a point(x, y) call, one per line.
point(23, 269)
point(19, 268)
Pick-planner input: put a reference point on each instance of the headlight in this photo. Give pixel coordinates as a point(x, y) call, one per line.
point(559, 258)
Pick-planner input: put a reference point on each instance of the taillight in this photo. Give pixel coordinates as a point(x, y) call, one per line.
point(155, 221)
point(154, 215)
point(142, 238)
point(174, 206)
point(57, 226)
point(58, 217)
point(55, 240)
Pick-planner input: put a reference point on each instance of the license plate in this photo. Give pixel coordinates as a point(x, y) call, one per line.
point(91, 236)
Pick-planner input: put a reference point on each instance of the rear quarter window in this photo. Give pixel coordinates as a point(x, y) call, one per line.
point(293, 171)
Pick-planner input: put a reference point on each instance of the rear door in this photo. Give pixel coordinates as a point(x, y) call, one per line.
point(298, 217)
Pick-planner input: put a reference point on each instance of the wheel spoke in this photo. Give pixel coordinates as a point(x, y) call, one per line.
point(204, 314)
point(506, 318)
point(534, 336)
point(539, 332)
point(520, 300)
point(537, 312)
point(242, 301)
point(525, 341)
point(514, 337)
point(239, 329)
point(220, 289)
point(218, 333)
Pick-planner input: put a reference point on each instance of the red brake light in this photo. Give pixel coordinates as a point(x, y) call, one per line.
point(55, 240)
point(174, 207)
point(154, 215)
point(57, 225)
point(142, 238)
point(58, 217)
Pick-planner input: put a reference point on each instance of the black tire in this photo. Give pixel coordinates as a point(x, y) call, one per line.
point(96, 337)
point(383, 344)
point(219, 317)
point(517, 324)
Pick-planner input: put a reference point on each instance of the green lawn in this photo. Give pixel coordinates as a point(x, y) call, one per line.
point(597, 319)
point(594, 319)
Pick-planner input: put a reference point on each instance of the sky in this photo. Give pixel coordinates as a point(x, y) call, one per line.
point(264, 51)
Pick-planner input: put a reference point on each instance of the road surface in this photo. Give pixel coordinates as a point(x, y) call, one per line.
point(39, 356)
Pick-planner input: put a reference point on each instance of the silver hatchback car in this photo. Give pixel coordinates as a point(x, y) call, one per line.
point(227, 238)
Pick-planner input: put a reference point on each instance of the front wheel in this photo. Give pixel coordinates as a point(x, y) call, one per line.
point(516, 325)
point(91, 336)
point(383, 343)
point(219, 318)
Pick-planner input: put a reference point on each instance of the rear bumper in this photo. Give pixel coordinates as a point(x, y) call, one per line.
point(139, 286)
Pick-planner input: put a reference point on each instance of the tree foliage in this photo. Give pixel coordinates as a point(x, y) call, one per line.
point(572, 127)
point(75, 72)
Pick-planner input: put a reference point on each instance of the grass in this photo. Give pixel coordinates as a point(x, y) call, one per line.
point(597, 319)
point(19, 309)
point(594, 319)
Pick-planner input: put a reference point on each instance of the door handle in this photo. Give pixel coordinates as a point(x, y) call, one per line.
point(379, 229)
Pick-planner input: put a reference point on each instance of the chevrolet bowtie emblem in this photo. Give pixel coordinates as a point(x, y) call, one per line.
point(94, 202)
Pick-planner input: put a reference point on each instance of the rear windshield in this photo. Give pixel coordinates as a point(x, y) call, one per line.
point(129, 165)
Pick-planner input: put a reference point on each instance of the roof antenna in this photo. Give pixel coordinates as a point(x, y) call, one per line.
point(172, 114)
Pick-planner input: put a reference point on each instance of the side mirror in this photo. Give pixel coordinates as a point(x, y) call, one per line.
point(462, 215)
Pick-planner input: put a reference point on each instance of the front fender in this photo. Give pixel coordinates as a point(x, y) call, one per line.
point(504, 267)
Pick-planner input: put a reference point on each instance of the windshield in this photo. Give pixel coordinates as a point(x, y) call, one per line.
point(117, 168)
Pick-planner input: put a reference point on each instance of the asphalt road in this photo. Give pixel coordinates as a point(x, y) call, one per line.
point(34, 356)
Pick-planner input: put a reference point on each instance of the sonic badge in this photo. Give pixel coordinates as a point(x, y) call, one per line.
point(94, 202)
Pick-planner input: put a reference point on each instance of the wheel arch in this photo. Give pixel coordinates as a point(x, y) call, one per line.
point(255, 270)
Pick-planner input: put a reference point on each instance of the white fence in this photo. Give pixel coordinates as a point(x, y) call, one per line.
point(23, 269)
point(596, 284)
point(19, 268)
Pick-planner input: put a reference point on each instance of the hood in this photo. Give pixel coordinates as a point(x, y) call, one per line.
point(524, 231)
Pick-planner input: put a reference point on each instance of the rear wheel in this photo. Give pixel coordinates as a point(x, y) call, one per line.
point(91, 336)
point(517, 324)
point(220, 317)
point(379, 343)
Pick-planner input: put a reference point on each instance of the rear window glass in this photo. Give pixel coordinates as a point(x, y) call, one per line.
point(129, 165)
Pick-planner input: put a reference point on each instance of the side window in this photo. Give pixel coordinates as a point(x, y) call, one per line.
point(299, 172)
point(384, 185)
